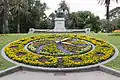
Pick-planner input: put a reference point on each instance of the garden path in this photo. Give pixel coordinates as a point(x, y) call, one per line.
point(28, 75)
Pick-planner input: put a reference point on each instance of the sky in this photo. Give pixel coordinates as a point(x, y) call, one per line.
point(78, 5)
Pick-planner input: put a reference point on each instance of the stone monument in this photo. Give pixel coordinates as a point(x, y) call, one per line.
point(59, 22)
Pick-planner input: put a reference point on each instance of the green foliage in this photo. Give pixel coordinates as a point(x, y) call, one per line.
point(114, 13)
point(4, 15)
point(107, 5)
point(84, 19)
point(22, 15)
point(114, 24)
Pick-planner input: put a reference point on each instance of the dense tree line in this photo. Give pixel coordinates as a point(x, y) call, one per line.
point(20, 15)
point(114, 22)
point(107, 3)
point(84, 19)
point(17, 16)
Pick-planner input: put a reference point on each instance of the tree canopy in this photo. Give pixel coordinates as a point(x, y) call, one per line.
point(17, 16)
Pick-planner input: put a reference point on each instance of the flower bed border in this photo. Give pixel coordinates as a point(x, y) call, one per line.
point(59, 69)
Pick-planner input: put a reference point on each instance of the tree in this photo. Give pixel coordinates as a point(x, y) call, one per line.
point(73, 20)
point(17, 9)
point(107, 4)
point(51, 20)
point(1, 15)
point(4, 12)
point(115, 13)
point(27, 14)
point(1, 7)
point(84, 19)
point(22, 15)
point(37, 14)
point(115, 18)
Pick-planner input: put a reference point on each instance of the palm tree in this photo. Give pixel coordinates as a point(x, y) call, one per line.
point(4, 13)
point(1, 14)
point(1, 10)
point(18, 8)
point(115, 13)
point(107, 4)
point(1, 7)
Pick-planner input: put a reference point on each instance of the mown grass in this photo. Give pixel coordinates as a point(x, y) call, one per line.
point(5, 39)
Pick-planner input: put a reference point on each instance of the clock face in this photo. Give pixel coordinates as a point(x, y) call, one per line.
point(65, 46)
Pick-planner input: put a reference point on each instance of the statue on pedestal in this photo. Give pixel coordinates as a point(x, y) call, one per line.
point(59, 13)
point(59, 21)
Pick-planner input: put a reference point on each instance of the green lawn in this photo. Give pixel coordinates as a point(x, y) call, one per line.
point(5, 39)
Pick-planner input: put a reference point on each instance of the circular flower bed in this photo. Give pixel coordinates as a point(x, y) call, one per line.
point(59, 50)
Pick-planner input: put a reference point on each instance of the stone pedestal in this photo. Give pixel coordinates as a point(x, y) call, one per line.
point(59, 25)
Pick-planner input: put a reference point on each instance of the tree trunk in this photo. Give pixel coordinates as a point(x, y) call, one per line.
point(108, 28)
point(5, 18)
point(18, 22)
point(18, 25)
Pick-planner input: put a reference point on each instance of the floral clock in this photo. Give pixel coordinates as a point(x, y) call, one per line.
point(59, 50)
